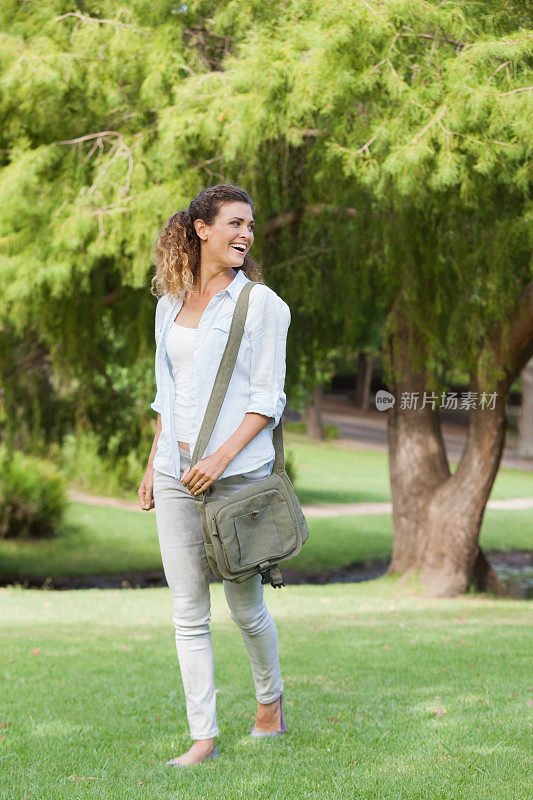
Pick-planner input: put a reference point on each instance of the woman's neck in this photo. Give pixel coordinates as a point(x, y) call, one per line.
point(209, 285)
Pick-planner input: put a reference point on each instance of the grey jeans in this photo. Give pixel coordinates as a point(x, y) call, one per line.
point(186, 568)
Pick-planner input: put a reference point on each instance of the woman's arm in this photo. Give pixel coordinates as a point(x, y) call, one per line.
point(154, 444)
point(209, 469)
point(145, 491)
point(251, 425)
point(266, 327)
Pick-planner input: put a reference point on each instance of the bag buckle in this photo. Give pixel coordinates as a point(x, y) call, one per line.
point(265, 575)
point(264, 571)
point(274, 577)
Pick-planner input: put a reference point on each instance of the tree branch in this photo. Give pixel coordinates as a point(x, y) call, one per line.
point(514, 91)
point(84, 18)
point(482, 454)
point(295, 215)
point(513, 353)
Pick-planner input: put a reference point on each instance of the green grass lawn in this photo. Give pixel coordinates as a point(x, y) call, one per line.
point(389, 695)
point(329, 473)
point(102, 540)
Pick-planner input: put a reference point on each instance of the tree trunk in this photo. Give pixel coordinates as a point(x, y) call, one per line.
point(436, 515)
point(361, 394)
point(455, 510)
point(312, 415)
point(367, 383)
point(525, 422)
point(357, 397)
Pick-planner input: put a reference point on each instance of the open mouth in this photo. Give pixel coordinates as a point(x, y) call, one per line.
point(240, 248)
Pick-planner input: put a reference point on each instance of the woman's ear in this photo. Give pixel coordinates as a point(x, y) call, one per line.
point(201, 229)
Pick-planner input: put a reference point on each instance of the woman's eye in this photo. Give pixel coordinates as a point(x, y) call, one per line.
point(236, 222)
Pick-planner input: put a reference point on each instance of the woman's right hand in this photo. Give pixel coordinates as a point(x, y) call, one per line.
point(146, 490)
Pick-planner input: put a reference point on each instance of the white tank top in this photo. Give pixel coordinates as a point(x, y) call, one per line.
point(180, 344)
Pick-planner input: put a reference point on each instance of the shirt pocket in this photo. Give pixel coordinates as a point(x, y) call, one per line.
point(218, 335)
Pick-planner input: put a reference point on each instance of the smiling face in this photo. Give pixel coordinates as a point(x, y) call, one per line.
point(231, 235)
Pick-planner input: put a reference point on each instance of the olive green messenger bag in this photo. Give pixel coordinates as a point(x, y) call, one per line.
point(263, 524)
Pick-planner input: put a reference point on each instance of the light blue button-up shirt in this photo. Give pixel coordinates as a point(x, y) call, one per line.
point(257, 382)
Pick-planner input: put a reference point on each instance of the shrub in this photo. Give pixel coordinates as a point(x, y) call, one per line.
point(295, 427)
point(330, 432)
point(290, 467)
point(32, 497)
point(110, 474)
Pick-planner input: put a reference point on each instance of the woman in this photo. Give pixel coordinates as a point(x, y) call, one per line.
point(202, 262)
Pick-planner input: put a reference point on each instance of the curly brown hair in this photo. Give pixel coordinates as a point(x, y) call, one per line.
point(177, 253)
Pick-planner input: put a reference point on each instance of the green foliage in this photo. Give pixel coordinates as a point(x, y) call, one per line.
point(32, 497)
point(295, 427)
point(33, 414)
point(290, 466)
point(87, 468)
point(387, 147)
point(330, 432)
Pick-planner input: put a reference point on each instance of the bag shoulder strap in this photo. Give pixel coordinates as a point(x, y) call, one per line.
point(222, 379)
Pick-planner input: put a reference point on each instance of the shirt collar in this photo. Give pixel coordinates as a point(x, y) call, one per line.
point(234, 289)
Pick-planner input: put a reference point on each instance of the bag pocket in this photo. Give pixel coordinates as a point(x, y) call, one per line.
point(261, 535)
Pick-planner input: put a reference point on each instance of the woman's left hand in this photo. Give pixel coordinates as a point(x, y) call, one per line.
point(205, 472)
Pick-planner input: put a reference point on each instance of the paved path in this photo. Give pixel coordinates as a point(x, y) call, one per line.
point(322, 510)
point(368, 430)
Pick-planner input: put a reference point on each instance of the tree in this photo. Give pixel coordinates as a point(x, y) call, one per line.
point(387, 146)
point(454, 178)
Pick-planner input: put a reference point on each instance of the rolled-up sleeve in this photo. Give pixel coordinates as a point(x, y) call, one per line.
point(267, 324)
point(157, 404)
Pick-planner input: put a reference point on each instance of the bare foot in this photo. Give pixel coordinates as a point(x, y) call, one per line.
point(268, 716)
point(199, 751)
